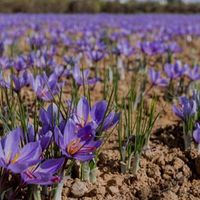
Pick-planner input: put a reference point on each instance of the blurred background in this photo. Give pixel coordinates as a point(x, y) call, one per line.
point(97, 6)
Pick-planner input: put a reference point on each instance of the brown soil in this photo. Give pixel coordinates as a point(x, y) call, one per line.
point(167, 172)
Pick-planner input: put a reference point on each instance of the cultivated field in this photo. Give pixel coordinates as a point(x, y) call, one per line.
point(100, 107)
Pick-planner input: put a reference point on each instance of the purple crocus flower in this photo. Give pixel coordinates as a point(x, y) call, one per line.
point(156, 78)
point(125, 48)
point(96, 52)
point(176, 70)
point(5, 63)
point(43, 173)
point(5, 81)
point(96, 55)
point(20, 63)
point(82, 78)
point(79, 145)
point(173, 47)
point(44, 87)
point(196, 134)
point(194, 73)
point(44, 137)
point(196, 98)
point(95, 116)
point(36, 41)
point(22, 80)
point(187, 108)
point(70, 60)
point(49, 118)
point(152, 48)
point(1, 48)
point(16, 158)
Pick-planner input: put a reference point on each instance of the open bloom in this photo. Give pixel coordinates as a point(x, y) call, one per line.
point(95, 116)
point(21, 81)
point(44, 87)
point(16, 158)
point(156, 78)
point(20, 63)
point(79, 145)
point(194, 73)
point(43, 173)
point(97, 52)
point(152, 48)
point(186, 109)
point(176, 70)
point(82, 77)
point(96, 55)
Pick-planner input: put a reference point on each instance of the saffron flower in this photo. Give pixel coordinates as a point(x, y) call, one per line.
point(176, 70)
point(96, 55)
point(194, 73)
point(49, 118)
point(95, 116)
point(43, 173)
point(82, 78)
point(78, 144)
point(5, 81)
point(45, 87)
point(156, 78)
point(187, 108)
point(22, 80)
point(196, 134)
point(124, 48)
point(16, 158)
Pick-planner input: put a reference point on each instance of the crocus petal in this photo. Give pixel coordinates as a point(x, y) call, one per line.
point(69, 131)
point(44, 118)
point(196, 135)
point(98, 111)
point(83, 109)
point(59, 139)
point(30, 133)
point(29, 155)
point(51, 166)
point(12, 140)
point(45, 140)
